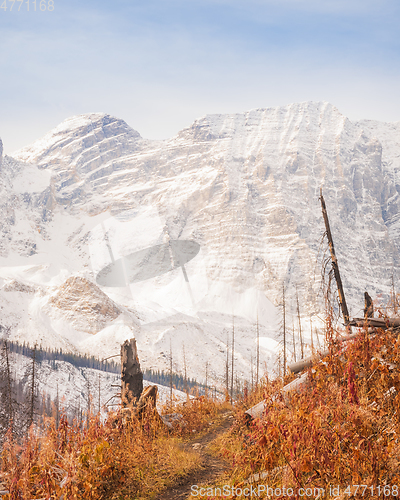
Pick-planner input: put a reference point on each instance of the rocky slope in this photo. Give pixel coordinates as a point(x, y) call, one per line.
point(244, 187)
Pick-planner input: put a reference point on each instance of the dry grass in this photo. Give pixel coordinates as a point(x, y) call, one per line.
point(123, 458)
point(198, 415)
point(342, 429)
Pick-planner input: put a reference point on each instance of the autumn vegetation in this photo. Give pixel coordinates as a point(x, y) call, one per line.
point(341, 428)
point(124, 457)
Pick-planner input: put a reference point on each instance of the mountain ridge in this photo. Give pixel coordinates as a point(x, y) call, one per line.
point(244, 186)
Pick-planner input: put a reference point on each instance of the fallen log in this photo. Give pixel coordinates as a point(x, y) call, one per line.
point(383, 323)
point(305, 363)
point(258, 410)
point(371, 323)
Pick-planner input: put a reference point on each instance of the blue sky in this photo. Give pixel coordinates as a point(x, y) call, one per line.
point(160, 64)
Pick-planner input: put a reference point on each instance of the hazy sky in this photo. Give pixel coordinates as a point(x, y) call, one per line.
point(160, 64)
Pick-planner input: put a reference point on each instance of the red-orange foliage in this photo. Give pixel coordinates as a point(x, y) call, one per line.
point(342, 428)
point(122, 458)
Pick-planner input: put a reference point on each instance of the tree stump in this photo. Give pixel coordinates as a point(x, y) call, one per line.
point(147, 401)
point(131, 374)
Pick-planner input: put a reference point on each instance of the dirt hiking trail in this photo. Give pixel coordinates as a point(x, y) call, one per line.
point(211, 466)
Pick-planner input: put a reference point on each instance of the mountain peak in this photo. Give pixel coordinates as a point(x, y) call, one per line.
point(76, 134)
point(222, 126)
point(77, 122)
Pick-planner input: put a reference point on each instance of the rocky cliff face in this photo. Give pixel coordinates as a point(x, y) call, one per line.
point(82, 303)
point(244, 186)
point(80, 151)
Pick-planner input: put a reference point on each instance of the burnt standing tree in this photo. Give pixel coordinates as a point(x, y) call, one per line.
point(185, 370)
point(233, 355)
point(299, 320)
point(7, 389)
point(227, 368)
point(258, 353)
point(335, 265)
point(32, 389)
point(170, 372)
point(89, 401)
point(131, 374)
point(284, 328)
point(294, 344)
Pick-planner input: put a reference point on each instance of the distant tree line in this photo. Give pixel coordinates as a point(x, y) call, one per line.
point(77, 360)
point(178, 381)
point(21, 403)
point(85, 361)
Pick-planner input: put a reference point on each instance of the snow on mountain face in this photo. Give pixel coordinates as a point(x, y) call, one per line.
point(388, 135)
point(244, 187)
point(84, 142)
point(80, 150)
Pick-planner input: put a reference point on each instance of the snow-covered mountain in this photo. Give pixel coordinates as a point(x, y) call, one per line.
point(93, 196)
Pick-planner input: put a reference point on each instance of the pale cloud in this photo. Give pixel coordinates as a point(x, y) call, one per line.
point(329, 6)
point(161, 64)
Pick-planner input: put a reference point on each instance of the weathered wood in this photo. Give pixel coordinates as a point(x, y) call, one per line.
point(147, 401)
point(257, 411)
point(131, 374)
point(335, 265)
point(147, 407)
point(305, 363)
point(368, 306)
point(376, 322)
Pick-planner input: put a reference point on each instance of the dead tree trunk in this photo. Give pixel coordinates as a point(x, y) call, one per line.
point(299, 319)
point(294, 345)
point(394, 298)
point(185, 371)
point(131, 374)
point(32, 395)
point(170, 372)
point(233, 355)
point(9, 399)
point(258, 352)
point(57, 408)
point(335, 265)
point(284, 329)
point(227, 368)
